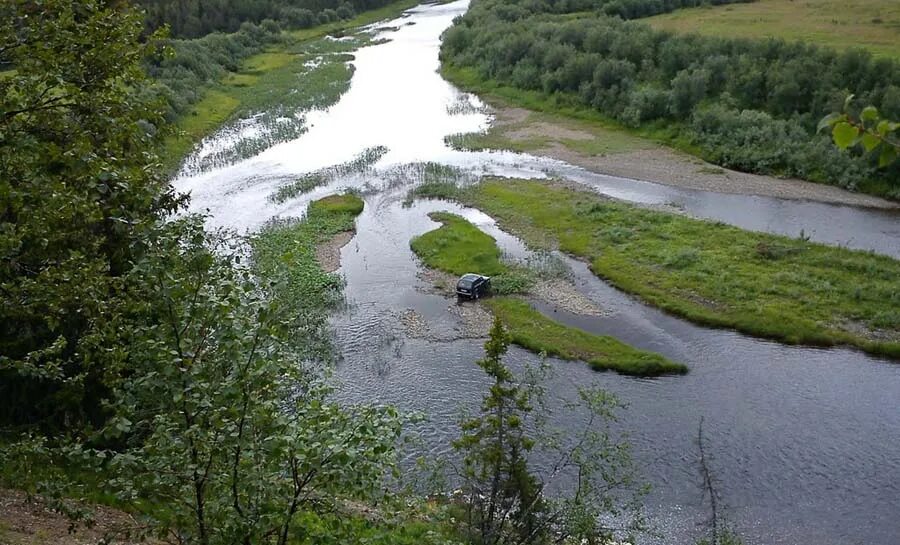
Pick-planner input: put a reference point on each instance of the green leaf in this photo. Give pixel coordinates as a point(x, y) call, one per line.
point(844, 135)
point(870, 141)
point(869, 113)
point(829, 121)
point(888, 156)
point(847, 101)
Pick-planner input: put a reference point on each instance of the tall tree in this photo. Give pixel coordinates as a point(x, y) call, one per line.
point(587, 493)
point(78, 185)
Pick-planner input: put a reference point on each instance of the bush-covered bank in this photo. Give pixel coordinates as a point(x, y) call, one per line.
point(744, 104)
point(458, 247)
point(765, 285)
point(196, 18)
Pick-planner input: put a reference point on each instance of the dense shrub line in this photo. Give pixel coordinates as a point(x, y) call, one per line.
point(746, 104)
point(195, 18)
point(182, 77)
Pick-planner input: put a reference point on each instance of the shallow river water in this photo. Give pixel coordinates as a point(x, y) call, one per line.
point(805, 442)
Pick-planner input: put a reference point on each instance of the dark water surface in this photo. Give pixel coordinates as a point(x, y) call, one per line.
point(805, 442)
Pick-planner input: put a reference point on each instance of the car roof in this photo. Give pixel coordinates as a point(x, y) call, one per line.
point(470, 276)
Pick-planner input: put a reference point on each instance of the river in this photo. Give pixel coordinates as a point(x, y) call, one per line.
point(805, 442)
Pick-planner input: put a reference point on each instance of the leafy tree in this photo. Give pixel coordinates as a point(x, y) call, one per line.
point(868, 130)
point(227, 412)
point(587, 494)
point(79, 187)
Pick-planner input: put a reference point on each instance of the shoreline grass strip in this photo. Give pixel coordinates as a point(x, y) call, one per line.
point(776, 287)
point(458, 247)
point(533, 331)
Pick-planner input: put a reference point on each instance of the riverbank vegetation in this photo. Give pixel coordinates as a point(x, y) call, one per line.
point(459, 247)
point(196, 18)
point(262, 69)
point(284, 253)
point(711, 273)
point(751, 105)
point(533, 331)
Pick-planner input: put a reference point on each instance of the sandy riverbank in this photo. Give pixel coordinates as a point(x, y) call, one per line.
point(565, 139)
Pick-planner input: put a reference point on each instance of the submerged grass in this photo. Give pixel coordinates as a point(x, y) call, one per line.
point(711, 273)
point(458, 247)
point(532, 330)
point(360, 164)
point(305, 71)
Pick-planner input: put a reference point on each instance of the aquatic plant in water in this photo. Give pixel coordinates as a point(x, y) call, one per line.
point(306, 183)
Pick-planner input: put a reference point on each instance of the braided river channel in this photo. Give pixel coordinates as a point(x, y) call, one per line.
point(804, 442)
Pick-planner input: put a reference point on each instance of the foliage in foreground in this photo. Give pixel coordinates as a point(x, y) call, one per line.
point(767, 285)
point(868, 131)
point(78, 191)
point(506, 500)
point(226, 410)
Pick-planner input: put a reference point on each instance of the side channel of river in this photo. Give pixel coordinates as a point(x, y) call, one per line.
point(805, 441)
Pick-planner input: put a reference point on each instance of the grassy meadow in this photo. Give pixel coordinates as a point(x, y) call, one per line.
point(765, 285)
point(458, 247)
point(871, 24)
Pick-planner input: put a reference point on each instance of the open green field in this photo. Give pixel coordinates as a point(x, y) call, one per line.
point(711, 273)
point(458, 247)
point(872, 24)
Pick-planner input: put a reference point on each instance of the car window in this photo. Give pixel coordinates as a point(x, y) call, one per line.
point(465, 283)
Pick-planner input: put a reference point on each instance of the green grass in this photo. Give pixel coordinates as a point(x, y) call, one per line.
point(711, 273)
point(284, 252)
point(306, 183)
point(211, 112)
point(458, 247)
point(532, 330)
point(842, 24)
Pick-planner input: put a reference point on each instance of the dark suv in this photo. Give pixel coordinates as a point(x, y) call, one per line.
point(473, 286)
